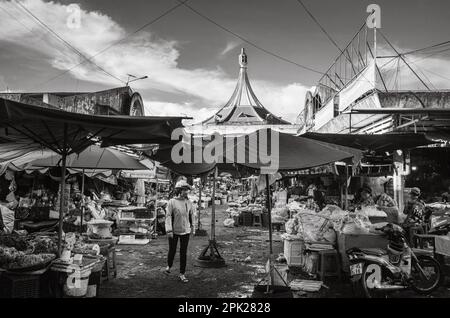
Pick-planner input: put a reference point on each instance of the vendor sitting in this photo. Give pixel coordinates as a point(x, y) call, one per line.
point(366, 197)
point(415, 214)
point(414, 209)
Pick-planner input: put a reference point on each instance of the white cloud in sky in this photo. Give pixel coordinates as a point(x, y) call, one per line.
point(204, 90)
point(231, 45)
point(142, 54)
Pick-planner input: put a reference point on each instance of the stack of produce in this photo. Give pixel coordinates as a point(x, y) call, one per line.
point(22, 252)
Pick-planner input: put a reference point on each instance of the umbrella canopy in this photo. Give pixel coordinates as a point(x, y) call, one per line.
point(286, 152)
point(94, 157)
point(67, 132)
point(384, 142)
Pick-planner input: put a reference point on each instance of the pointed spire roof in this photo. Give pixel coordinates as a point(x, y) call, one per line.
point(243, 107)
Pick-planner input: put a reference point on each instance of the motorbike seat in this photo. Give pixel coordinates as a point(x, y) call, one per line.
point(373, 251)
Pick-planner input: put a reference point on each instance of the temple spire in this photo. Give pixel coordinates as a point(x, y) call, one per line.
point(243, 107)
point(243, 59)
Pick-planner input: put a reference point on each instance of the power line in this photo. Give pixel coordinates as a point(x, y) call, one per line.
point(116, 43)
point(249, 42)
point(32, 32)
point(427, 48)
point(403, 59)
point(63, 40)
point(320, 26)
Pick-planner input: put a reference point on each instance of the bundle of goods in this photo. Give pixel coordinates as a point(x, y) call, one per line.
point(280, 215)
point(234, 204)
point(310, 227)
point(335, 214)
point(14, 260)
point(228, 222)
point(83, 248)
point(25, 253)
point(117, 203)
point(99, 229)
point(375, 215)
point(356, 223)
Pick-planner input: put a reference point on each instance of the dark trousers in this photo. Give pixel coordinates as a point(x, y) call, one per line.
point(184, 240)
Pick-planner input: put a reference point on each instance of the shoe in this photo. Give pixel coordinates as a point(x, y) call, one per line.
point(167, 270)
point(183, 278)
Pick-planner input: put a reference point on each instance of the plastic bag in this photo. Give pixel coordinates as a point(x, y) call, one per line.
point(228, 223)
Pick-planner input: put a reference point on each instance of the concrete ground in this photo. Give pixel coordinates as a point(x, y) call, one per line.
point(140, 268)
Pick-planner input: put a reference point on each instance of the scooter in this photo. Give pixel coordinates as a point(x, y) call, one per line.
point(378, 272)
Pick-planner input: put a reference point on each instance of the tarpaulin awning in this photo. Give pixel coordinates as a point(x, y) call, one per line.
point(286, 152)
point(384, 142)
point(94, 157)
point(48, 127)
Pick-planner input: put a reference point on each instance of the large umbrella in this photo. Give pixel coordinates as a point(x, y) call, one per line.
point(288, 152)
point(66, 133)
point(93, 158)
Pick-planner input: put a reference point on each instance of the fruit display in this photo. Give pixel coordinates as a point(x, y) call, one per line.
point(11, 258)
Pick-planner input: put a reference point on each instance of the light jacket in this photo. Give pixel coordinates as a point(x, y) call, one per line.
point(179, 216)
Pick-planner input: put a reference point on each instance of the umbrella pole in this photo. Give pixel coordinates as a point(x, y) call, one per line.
point(213, 209)
point(63, 188)
point(346, 188)
point(270, 266)
point(200, 231)
point(82, 201)
point(199, 206)
point(213, 258)
point(155, 232)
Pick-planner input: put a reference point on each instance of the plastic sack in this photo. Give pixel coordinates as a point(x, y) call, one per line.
point(228, 223)
point(292, 226)
point(8, 219)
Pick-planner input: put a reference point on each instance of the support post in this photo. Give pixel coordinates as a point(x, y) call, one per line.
point(82, 201)
point(63, 188)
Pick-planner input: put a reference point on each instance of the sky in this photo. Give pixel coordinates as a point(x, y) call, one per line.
point(191, 64)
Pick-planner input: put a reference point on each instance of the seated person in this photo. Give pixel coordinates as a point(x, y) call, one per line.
point(415, 212)
point(366, 197)
point(414, 209)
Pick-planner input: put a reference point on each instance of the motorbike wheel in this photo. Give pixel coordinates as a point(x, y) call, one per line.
point(367, 279)
point(431, 267)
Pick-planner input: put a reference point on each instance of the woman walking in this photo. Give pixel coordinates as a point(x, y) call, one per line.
point(179, 225)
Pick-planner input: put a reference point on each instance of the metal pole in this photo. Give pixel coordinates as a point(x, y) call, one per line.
point(63, 187)
point(269, 211)
point(199, 205)
point(346, 188)
point(82, 201)
point(213, 208)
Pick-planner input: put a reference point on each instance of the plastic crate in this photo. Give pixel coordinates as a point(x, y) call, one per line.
point(70, 227)
point(126, 214)
point(247, 218)
point(293, 252)
point(21, 286)
point(265, 219)
point(40, 213)
point(143, 214)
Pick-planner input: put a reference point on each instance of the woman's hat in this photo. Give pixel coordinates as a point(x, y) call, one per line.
point(182, 184)
point(415, 191)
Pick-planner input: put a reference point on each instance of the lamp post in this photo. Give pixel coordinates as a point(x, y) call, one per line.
point(134, 78)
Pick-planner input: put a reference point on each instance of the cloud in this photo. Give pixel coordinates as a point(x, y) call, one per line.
point(204, 90)
point(229, 47)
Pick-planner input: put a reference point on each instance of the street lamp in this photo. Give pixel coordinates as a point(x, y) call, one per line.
point(135, 78)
